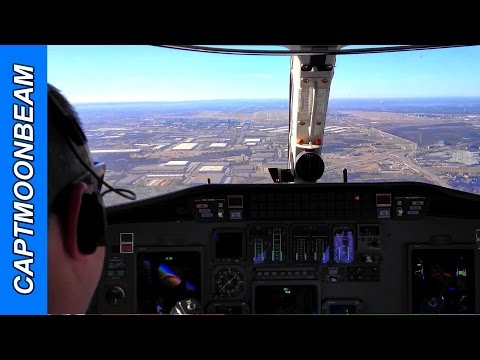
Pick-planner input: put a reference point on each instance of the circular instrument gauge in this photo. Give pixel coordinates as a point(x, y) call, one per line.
point(115, 295)
point(229, 282)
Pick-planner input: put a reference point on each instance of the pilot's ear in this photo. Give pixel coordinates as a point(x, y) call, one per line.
point(71, 220)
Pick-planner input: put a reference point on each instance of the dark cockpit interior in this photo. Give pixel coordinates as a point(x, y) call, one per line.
point(295, 249)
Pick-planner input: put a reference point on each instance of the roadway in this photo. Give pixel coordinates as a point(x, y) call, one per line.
point(404, 155)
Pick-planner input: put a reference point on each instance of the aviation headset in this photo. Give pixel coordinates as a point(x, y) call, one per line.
point(92, 220)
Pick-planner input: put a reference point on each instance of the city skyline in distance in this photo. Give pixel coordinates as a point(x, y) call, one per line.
point(448, 105)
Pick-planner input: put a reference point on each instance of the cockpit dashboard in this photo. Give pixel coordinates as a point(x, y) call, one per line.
point(343, 248)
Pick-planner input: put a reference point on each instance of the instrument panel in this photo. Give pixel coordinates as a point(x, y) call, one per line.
point(295, 249)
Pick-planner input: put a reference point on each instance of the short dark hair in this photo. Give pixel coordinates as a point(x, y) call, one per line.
point(63, 165)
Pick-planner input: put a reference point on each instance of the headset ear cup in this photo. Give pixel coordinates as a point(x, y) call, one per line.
point(91, 224)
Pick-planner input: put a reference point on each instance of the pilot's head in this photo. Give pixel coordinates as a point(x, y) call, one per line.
point(76, 220)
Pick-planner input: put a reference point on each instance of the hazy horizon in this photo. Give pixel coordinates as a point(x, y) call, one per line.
point(275, 99)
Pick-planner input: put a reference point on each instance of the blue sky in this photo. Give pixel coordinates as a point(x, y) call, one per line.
point(145, 73)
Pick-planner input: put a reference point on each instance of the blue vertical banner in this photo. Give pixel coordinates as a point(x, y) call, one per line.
point(23, 180)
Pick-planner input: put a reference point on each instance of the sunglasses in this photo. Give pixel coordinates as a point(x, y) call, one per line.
point(94, 178)
point(99, 168)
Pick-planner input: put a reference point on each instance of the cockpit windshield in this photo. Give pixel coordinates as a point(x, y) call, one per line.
point(164, 119)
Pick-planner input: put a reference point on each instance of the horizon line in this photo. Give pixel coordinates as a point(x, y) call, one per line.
point(270, 99)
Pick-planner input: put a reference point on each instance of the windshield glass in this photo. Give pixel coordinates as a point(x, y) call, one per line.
point(164, 119)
